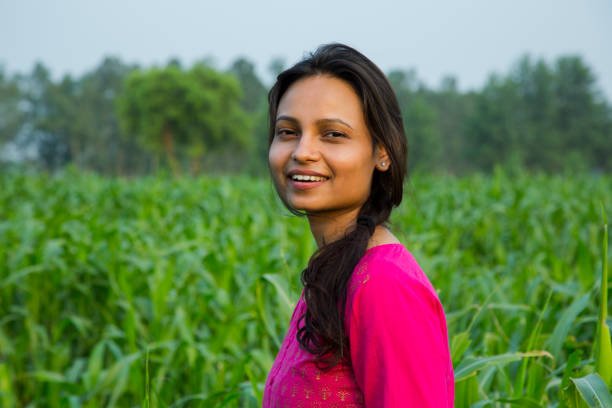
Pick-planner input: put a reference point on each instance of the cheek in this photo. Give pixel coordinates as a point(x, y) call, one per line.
point(272, 155)
point(356, 174)
point(276, 159)
point(359, 164)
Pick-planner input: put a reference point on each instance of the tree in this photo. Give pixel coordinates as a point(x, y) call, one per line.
point(494, 127)
point(195, 111)
point(11, 115)
point(45, 106)
point(541, 117)
point(254, 102)
point(105, 147)
point(424, 141)
point(582, 115)
point(253, 91)
point(452, 109)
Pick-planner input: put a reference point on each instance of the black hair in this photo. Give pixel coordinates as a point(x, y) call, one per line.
point(329, 269)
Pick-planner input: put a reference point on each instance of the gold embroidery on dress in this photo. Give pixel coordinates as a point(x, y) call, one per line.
point(343, 394)
point(325, 393)
point(360, 276)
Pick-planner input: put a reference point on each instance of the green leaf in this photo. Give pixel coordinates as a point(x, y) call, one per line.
point(48, 376)
point(593, 391)
point(523, 402)
point(472, 366)
point(459, 344)
point(603, 346)
point(565, 323)
point(281, 287)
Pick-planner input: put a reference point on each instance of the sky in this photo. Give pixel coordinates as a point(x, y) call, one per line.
point(465, 39)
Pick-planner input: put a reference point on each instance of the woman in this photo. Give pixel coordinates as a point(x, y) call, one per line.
point(368, 329)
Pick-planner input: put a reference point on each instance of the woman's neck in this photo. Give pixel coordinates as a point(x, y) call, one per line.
point(327, 228)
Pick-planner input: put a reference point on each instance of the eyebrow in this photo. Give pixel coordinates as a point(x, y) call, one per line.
point(319, 122)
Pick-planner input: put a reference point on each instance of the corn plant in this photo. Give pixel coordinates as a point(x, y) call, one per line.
point(163, 292)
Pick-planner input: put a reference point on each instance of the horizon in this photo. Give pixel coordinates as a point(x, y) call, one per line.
point(437, 39)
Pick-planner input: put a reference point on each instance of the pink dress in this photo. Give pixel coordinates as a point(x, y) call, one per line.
point(399, 354)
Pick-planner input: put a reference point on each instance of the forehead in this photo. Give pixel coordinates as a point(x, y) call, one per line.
point(321, 95)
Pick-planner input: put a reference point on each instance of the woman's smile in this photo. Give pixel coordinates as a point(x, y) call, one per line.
point(305, 179)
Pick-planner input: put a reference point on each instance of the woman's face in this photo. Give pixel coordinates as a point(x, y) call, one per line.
point(321, 157)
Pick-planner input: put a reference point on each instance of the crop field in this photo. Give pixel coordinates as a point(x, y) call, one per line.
point(161, 292)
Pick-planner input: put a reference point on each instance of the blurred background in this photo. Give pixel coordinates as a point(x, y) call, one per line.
point(145, 259)
point(129, 88)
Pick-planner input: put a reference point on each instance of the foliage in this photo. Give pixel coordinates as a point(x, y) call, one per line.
point(196, 110)
point(178, 292)
point(542, 116)
point(603, 348)
point(253, 90)
point(10, 114)
point(255, 103)
point(72, 120)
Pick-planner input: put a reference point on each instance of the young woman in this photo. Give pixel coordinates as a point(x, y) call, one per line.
point(369, 329)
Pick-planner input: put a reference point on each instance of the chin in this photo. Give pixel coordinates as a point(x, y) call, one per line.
point(303, 207)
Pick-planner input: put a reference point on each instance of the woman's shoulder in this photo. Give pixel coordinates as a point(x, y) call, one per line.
point(389, 277)
point(396, 328)
point(388, 264)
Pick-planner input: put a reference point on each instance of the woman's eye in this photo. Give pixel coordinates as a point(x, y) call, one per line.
point(285, 132)
point(334, 134)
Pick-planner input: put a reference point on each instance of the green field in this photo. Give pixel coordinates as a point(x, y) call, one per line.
point(177, 292)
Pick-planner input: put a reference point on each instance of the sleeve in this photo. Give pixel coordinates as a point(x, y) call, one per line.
point(399, 343)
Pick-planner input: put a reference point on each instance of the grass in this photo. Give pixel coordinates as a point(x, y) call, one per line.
point(160, 292)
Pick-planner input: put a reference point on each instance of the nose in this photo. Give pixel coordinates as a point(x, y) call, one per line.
point(306, 150)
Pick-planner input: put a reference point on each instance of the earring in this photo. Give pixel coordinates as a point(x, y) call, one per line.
point(383, 164)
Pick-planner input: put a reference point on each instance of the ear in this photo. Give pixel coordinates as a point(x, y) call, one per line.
point(382, 158)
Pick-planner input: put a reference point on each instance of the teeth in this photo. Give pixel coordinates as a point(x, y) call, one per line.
point(302, 177)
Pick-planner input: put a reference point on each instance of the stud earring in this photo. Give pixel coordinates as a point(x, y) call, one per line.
point(383, 164)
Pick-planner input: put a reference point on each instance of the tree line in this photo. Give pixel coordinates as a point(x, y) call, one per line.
point(121, 119)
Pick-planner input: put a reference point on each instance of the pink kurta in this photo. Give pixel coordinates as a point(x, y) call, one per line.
point(399, 354)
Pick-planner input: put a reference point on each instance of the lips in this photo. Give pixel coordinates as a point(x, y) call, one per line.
point(305, 179)
point(306, 175)
point(302, 177)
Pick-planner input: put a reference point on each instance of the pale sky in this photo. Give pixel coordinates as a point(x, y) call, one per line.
point(467, 39)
